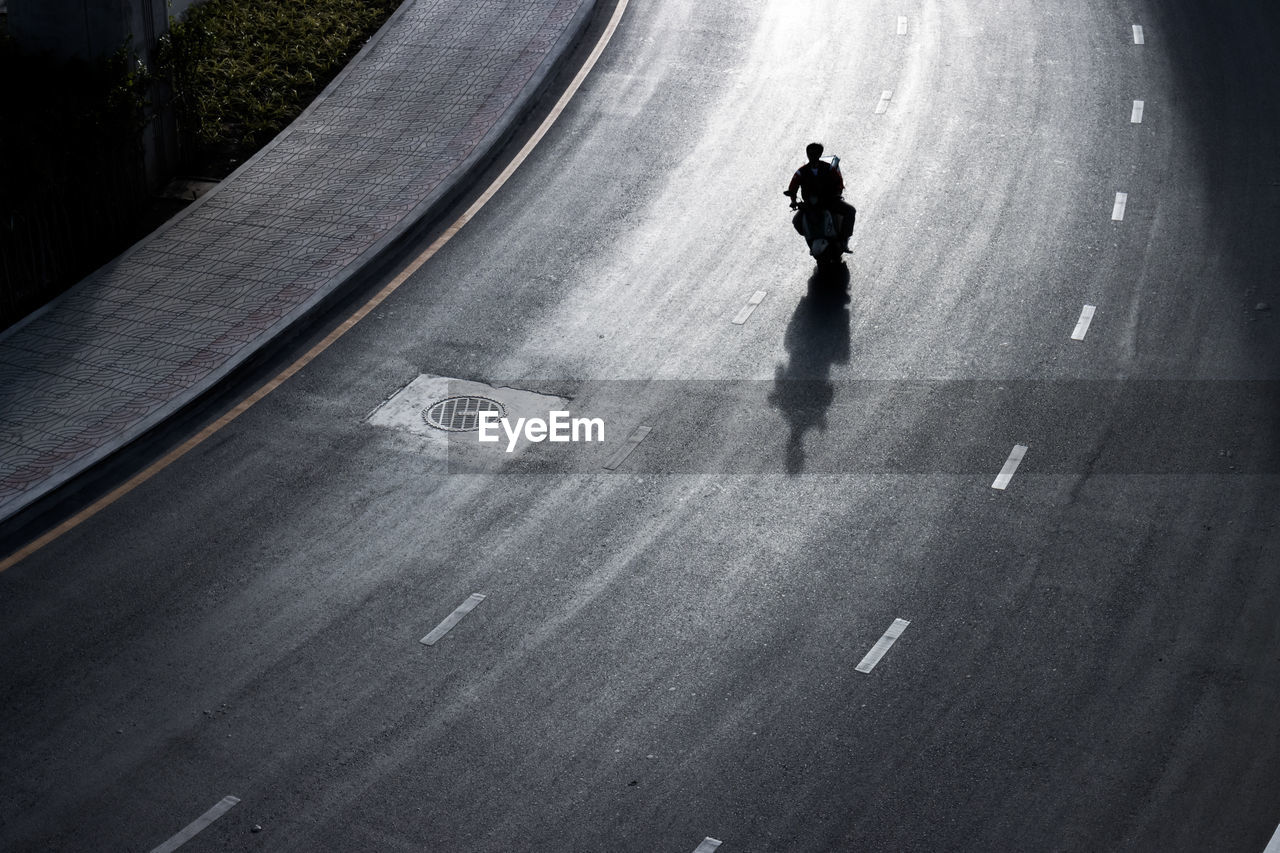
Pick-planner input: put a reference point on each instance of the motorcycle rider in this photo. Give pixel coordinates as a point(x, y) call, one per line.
point(822, 186)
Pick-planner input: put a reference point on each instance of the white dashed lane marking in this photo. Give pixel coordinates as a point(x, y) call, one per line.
point(883, 103)
point(1010, 465)
point(625, 451)
point(1136, 116)
point(882, 645)
point(1082, 325)
point(902, 26)
point(755, 300)
point(1138, 36)
point(452, 619)
point(192, 829)
point(708, 844)
point(1117, 210)
point(1273, 846)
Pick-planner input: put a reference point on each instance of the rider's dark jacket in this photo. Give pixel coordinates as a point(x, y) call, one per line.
point(818, 182)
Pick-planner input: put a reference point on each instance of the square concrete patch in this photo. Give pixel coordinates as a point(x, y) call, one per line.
point(405, 412)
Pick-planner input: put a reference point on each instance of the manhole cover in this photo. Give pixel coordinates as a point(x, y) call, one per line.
point(461, 413)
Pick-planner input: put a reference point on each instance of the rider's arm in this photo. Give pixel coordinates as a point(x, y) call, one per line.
point(795, 185)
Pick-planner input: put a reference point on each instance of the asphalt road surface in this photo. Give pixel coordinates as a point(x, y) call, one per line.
point(669, 649)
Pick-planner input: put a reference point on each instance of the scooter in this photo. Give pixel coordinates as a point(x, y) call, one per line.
point(821, 230)
point(822, 233)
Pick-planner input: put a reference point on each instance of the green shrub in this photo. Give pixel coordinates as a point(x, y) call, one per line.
point(243, 69)
point(73, 192)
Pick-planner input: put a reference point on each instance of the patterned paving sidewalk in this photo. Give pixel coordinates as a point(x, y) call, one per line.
point(429, 97)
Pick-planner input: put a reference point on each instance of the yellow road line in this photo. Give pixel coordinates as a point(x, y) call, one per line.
point(378, 298)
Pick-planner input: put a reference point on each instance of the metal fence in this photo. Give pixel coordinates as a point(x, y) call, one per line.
point(50, 242)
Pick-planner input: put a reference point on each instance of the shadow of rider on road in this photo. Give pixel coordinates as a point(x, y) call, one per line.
point(817, 338)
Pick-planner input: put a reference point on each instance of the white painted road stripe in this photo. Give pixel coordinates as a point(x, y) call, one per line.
point(1136, 116)
point(452, 619)
point(708, 844)
point(755, 300)
point(1010, 465)
point(193, 828)
point(1082, 325)
point(625, 451)
point(883, 105)
point(1117, 212)
point(902, 26)
point(1273, 846)
point(882, 645)
point(1138, 37)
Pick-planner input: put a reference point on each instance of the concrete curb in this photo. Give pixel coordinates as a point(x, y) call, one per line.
point(355, 273)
